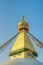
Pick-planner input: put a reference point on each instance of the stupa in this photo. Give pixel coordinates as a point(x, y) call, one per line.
point(23, 51)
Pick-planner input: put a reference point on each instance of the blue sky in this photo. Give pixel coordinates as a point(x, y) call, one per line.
point(11, 12)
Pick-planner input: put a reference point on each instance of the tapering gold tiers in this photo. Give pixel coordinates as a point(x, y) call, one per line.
point(23, 42)
point(23, 25)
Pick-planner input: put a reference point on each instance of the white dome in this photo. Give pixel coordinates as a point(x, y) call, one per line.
point(28, 61)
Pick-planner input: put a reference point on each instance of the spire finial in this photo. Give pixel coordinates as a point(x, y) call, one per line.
point(23, 19)
point(23, 25)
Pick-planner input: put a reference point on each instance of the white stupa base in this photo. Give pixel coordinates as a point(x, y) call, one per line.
point(28, 61)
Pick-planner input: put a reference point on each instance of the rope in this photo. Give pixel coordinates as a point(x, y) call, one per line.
point(2, 47)
point(39, 43)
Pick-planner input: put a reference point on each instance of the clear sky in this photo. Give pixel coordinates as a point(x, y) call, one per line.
point(11, 12)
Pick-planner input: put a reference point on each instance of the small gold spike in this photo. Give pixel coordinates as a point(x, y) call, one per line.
point(23, 19)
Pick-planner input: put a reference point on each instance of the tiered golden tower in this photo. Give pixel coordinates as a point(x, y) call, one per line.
point(22, 46)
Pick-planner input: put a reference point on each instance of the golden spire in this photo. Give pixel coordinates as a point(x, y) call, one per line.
point(23, 25)
point(22, 46)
